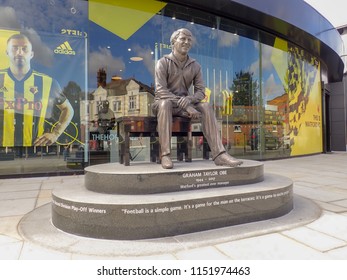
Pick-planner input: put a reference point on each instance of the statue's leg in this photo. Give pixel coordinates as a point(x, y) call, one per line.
point(210, 128)
point(164, 116)
point(212, 135)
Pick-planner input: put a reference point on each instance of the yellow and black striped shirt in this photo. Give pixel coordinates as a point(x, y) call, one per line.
point(24, 106)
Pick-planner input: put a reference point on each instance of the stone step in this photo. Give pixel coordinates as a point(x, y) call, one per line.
point(148, 178)
point(80, 211)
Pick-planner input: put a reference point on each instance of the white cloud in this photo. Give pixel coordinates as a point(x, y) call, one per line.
point(272, 89)
point(145, 53)
point(226, 39)
point(103, 59)
point(8, 18)
point(266, 59)
point(42, 53)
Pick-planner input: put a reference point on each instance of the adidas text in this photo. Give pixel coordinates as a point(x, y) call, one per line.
point(65, 52)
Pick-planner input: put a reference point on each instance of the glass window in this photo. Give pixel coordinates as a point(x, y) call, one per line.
point(264, 90)
point(44, 130)
point(132, 103)
point(117, 106)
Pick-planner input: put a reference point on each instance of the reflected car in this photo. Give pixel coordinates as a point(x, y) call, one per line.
point(271, 141)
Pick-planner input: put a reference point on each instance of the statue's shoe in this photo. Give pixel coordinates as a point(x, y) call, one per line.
point(166, 162)
point(225, 159)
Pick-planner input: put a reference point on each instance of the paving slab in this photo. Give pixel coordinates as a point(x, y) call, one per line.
point(270, 247)
point(314, 239)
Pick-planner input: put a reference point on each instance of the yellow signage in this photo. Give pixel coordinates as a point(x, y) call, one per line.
point(207, 95)
point(299, 74)
point(279, 58)
point(65, 48)
point(121, 17)
point(227, 102)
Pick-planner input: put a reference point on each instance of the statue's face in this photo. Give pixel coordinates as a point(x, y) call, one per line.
point(183, 43)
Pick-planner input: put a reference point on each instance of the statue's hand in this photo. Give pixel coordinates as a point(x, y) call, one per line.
point(184, 102)
point(193, 113)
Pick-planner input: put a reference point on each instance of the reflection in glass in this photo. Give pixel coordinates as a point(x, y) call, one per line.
point(265, 91)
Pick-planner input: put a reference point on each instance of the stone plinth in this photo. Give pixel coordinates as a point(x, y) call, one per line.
point(95, 210)
point(147, 178)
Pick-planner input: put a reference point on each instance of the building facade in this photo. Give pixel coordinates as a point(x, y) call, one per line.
point(271, 76)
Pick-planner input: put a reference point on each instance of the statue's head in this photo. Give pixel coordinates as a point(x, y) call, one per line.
point(177, 33)
point(181, 41)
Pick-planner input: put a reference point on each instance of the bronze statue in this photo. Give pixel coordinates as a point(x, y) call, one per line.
point(174, 75)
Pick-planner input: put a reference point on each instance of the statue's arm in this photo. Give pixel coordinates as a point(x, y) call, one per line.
point(161, 78)
point(199, 87)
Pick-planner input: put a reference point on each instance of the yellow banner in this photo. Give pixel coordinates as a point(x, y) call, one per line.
point(121, 17)
point(299, 73)
point(306, 123)
point(227, 102)
point(207, 95)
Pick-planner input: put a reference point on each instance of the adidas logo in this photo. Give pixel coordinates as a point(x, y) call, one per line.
point(65, 48)
point(3, 89)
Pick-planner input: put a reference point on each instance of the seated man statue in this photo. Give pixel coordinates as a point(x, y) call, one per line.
point(174, 75)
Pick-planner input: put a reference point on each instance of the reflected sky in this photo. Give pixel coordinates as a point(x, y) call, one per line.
point(222, 54)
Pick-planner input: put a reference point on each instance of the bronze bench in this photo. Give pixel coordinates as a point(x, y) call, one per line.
point(147, 127)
